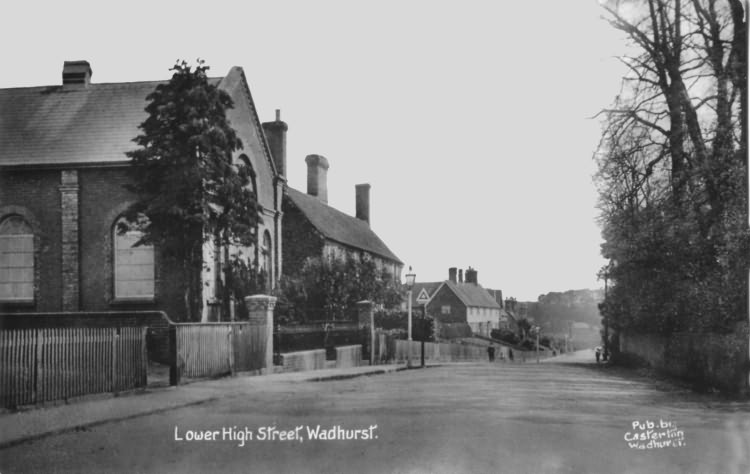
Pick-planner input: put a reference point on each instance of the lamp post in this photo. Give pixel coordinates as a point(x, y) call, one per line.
point(410, 277)
point(536, 330)
point(604, 273)
point(606, 319)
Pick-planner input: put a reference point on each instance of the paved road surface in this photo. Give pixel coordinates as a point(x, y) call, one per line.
point(452, 419)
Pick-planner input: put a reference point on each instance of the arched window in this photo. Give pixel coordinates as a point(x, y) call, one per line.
point(133, 264)
point(266, 259)
point(16, 260)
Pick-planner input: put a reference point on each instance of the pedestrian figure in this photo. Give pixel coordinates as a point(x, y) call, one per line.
point(491, 352)
point(598, 353)
point(510, 354)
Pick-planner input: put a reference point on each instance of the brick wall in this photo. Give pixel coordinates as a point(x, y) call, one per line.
point(301, 239)
point(74, 263)
point(446, 297)
point(103, 198)
point(69, 239)
point(35, 195)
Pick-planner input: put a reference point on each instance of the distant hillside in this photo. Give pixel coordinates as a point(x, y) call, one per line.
point(553, 311)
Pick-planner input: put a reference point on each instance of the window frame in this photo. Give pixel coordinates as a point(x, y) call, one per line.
point(116, 239)
point(31, 236)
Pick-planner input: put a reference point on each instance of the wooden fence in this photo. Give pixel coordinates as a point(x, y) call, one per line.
point(438, 351)
point(45, 364)
point(214, 349)
point(390, 349)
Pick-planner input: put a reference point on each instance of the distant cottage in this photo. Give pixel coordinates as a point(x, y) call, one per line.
point(456, 301)
point(62, 171)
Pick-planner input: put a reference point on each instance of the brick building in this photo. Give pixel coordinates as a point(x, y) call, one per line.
point(62, 174)
point(312, 228)
point(465, 302)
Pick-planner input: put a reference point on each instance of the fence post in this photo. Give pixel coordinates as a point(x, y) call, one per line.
point(113, 338)
point(260, 312)
point(230, 342)
point(174, 371)
point(143, 366)
point(39, 338)
point(366, 318)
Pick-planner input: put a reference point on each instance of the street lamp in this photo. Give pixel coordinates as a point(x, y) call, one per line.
point(537, 329)
point(605, 273)
point(410, 277)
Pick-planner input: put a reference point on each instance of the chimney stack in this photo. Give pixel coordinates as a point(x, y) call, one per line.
point(317, 177)
point(471, 276)
point(460, 276)
point(362, 202)
point(499, 297)
point(76, 75)
point(452, 274)
point(276, 138)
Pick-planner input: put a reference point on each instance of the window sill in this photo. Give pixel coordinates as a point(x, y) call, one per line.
point(133, 300)
point(16, 302)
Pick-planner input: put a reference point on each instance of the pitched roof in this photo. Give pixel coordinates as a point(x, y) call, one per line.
point(472, 295)
point(51, 125)
point(338, 226)
point(428, 287)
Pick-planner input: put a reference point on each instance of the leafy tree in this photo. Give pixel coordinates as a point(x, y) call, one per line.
point(188, 187)
point(555, 310)
point(524, 328)
point(333, 286)
point(672, 168)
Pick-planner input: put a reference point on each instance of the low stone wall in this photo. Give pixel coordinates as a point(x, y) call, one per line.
point(303, 360)
point(348, 356)
point(709, 359)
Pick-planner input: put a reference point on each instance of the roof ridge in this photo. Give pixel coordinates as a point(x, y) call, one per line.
point(96, 84)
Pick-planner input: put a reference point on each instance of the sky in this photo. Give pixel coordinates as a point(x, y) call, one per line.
point(471, 120)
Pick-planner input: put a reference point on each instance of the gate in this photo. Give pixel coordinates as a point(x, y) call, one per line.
point(215, 349)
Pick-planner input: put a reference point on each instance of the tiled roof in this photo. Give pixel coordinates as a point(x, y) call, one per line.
point(472, 295)
point(338, 226)
point(52, 126)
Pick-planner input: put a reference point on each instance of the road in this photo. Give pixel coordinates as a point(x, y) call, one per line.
point(514, 418)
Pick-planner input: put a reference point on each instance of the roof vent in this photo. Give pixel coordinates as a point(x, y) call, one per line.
point(76, 75)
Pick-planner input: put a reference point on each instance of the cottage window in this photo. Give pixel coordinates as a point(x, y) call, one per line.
point(16, 260)
point(445, 309)
point(134, 264)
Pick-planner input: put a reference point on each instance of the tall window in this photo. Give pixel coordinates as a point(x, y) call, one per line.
point(266, 251)
point(16, 260)
point(133, 265)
